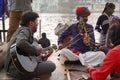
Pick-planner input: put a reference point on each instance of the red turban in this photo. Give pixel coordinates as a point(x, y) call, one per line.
point(82, 11)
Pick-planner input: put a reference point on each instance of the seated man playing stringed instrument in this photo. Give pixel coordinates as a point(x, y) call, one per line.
point(23, 58)
point(82, 40)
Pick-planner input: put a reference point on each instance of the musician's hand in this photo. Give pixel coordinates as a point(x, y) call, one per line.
point(109, 45)
point(39, 50)
point(60, 47)
point(50, 51)
point(89, 67)
point(97, 45)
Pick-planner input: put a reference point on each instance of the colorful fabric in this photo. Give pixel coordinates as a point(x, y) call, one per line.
point(82, 11)
point(77, 52)
point(113, 18)
point(110, 63)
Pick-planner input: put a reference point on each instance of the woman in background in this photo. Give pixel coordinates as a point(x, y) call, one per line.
point(102, 24)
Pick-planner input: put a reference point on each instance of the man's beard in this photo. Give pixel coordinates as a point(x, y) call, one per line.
point(34, 30)
point(85, 20)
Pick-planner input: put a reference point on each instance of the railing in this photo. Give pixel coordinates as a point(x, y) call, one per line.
point(2, 31)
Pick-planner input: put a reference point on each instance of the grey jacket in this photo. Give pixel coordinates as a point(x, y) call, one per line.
point(23, 37)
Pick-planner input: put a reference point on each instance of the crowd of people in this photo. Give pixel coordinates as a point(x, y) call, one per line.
point(81, 46)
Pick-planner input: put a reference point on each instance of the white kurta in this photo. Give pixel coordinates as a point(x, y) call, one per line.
point(89, 58)
point(92, 58)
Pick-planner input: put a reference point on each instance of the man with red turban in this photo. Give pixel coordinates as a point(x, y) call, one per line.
point(82, 40)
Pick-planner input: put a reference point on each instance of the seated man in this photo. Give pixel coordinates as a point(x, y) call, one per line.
point(82, 40)
point(22, 40)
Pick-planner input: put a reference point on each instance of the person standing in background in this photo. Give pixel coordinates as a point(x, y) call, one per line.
point(9, 2)
point(6, 8)
point(16, 9)
point(102, 24)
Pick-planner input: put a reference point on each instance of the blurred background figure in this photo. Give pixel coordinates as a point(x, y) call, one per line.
point(44, 41)
point(16, 9)
point(102, 24)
